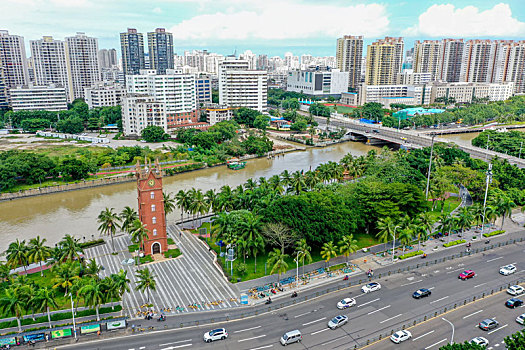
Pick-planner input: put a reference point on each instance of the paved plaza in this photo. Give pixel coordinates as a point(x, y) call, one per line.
point(192, 278)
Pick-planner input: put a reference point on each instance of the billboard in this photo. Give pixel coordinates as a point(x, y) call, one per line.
point(116, 325)
point(90, 329)
point(6, 341)
point(61, 333)
point(35, 337)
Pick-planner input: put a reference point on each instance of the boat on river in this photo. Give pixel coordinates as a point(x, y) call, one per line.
point(235, 164)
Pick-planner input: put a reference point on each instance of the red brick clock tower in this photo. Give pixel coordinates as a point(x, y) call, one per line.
point(151, 207)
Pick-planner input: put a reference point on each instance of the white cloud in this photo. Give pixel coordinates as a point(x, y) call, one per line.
point(280, 20)
point(157, 10)
point(447, 20)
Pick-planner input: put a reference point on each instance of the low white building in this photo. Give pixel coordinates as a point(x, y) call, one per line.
point(218, 113)
point(104, 94)
point(318, 82)
point(29, 98)
point(410, 78)
point(350, 98)
point(417, 94)
point(465, 92)
point(140, 111)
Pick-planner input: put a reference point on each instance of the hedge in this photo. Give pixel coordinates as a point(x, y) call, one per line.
point(133, 248)
point(146, 259)
point(453, 243)
point(411, 254)
point(172, 253)
point(495, 233)
point(170, 241)
point(93, 243)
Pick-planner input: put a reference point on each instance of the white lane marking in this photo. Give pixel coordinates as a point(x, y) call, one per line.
point(499, 257)
point(431, 288)
point(472, 314)
point(306, 313)
point(177, 347)
point(307, 323)
point(368, 302)
point(175, 342)
point(142, 347)
point(456, 270)
point(422, 335)
point(259, 336)
point(435, 301)
point(322, 330)
point(391, 318)
point(439, 342)
point(413, 282)
point(263, 347)
point(497, 329)
point(247, 329)
point(479, 285)
point(373, 312)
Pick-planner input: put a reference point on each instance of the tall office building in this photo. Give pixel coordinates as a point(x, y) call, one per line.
point(14, 60)
point(160, 50)
point(132, 50)
point(349, 56)
point(478, 61)
point(107, 58)
point(51, 64)
point(4, 99)
point(451, 55)
point(83, 61)
point(426, 57)
point(262, 62)
point(384, 60)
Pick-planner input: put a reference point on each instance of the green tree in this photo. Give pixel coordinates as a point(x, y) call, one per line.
point(386, 227)
point(72, 125)
point(12, 303)
point(145, 281)
point(109, 222)
point(65, 275)
point(127, 216)
point(94, 294)
point(277, 260)
point(182, 198)
point(328, 251)
point(169, 203)
point(515, 341)
point(70, 248)
point(154, 133)
point(44, 299)
point(504, 206)
point(462, 346)
point(139, 234)
point(121, 281)
point(261, 122)
point(16, 254)
point(347, 246)
point(75, 169)
point(38, 252)
point(302, 249)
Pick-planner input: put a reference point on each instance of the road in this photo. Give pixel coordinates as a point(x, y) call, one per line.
point(378, 312)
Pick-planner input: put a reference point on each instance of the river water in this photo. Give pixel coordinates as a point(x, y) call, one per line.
point(52, 216)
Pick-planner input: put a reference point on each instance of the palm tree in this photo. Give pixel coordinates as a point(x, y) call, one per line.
point(285, 178)
point(347, 246)
point(65, 275)
point(386, 228)
point(276, 184)
point(297, 182)
point(212, 200)
point(199, 204)
point(328, 251)
point(139, 233)
point(109, 222)
point(504, 206)
point(16, 254)
point(445, 224)
point(5, 272)
point(465, 218)
point(192, 194)
point(169, 203)
point(145, 281)
point(92, 269)
point(44, 299)
point(277, 260)
point(111, 290)
point(182, 200)
point(127, 216)
point(71, 248)
point(121, 281)
point(303, 251)
point(38, 252)
point(12, 303)
point(94, 294)
point(405, 236)
point(222, 227)
point(257, 245)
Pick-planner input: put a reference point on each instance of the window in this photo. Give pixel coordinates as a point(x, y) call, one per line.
point(153, 208)
point(154, 220)
point(152, 195)
point(154, 232)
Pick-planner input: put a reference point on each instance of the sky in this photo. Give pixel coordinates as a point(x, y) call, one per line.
point(272, 27)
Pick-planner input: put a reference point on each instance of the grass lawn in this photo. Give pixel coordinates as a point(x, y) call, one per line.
point(342, 109)
point(451, 203)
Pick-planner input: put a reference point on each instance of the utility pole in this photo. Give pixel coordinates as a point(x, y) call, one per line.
point(488, 180)
point(430, 165)
point(394, 244)
point(487, 153)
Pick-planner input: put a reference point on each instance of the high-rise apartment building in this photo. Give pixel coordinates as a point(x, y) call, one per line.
point(427, 57)
point(384, 60)
point(241, 87)
point(450, 60)
point(132, 50)
point(478, 61)
point(509, 65)
point(4, 98)
point(160, 50)
point(140, 111)
point(262, 62)
point(107, 58)
point(83, 61)
point(51, 64)
point(14, 60)
point(349, 56)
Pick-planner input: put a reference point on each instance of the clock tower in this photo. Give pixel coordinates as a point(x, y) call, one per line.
point(151, 207)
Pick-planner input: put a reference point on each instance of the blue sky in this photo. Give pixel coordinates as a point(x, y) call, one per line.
point(265, 26)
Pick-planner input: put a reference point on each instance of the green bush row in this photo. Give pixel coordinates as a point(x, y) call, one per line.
point(495, 233)
point(411, 254)
point(146, 259)
point(92, 243)
point(170, 241)
point(172, 253)
point(453, 243)
point(182, 168)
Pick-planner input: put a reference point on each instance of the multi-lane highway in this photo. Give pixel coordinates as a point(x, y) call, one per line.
point(378, 312)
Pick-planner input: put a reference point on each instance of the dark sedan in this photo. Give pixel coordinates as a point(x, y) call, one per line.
point(513, 303)
point(421, 293)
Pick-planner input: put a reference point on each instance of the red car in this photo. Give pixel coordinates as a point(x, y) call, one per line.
point(465, 275)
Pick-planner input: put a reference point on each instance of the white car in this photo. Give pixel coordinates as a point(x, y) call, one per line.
point(337, 321)
point(507, 270)
point(479, 341)
point(400, 336)
point(521, 319)
point(370, 287)
point(216, 334)
point(346, 303)
point(515, 290)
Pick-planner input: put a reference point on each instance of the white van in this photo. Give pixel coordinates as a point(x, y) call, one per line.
point(291, 337)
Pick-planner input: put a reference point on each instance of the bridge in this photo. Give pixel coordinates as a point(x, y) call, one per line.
point(408, 139)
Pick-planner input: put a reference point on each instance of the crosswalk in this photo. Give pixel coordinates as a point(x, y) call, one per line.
point(191, 279)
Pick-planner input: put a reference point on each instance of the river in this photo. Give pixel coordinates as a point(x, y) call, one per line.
point(52, 216)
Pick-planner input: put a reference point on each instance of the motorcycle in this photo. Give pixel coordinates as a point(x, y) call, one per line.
point(294, 294)
point(161, 318)
point(423, 256)
point(269, 301)
point(345, 278)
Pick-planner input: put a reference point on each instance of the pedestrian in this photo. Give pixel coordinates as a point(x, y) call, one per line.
point(98, 333)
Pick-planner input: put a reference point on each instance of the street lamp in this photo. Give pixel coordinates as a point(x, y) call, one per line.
point(73, 313)
point(452, 325)
point(297, 270)
point(430, 165)
point(394, 244)
point(488, 180)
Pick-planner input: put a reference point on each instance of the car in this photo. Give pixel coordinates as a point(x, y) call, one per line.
point(488, 324)
point(465, 275)
point(421, 293)
point(337, 321)
point(507, 270)
point(479, 341)
point(370, 287)
point(514, 303)
point(376, 131)
point(515, 290)
point(400, 336)
point(129, 261)
point(216, 334)
point(346, 303)
point(521, 319)
point(291, 337)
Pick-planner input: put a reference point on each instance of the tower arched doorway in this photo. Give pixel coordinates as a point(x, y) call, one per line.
point(155, 248)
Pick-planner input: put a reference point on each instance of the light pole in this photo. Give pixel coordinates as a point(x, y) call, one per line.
point(297, 270)
point(430, 165)
point(73, 313)
point(452, 325)
point(521, 146)
point(394, 244)
point(488, 180)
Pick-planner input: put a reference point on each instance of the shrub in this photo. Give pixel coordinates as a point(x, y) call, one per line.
point(172, 253)
point(411, 254)
point(171, 241)
point(242, 268)
point(93, 243)
point(453, 243)
point(495, 233)
point(146, 259)
point(133, 248)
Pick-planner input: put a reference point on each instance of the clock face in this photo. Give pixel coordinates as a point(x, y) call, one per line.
point(151, 183)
